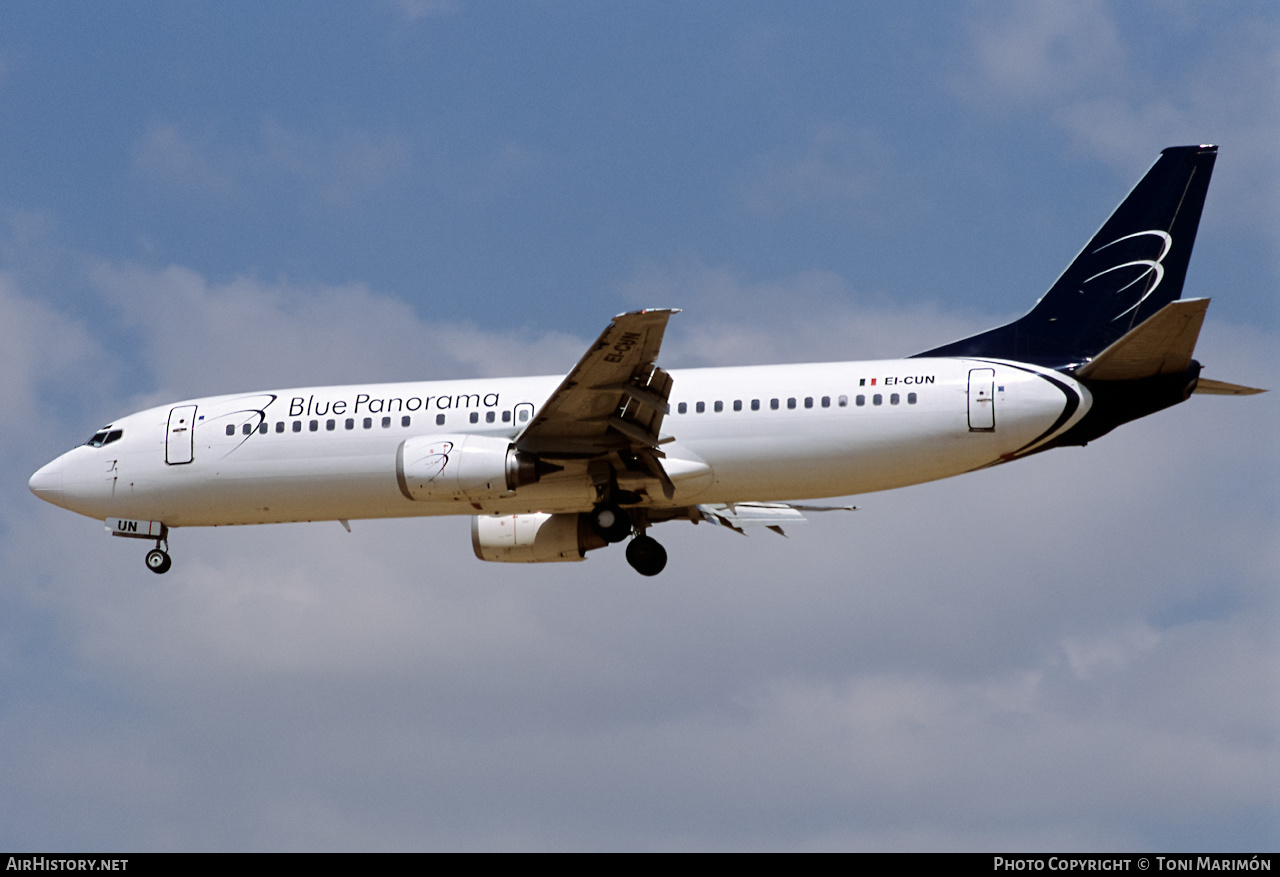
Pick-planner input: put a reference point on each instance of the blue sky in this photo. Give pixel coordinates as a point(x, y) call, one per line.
point(1077, 652)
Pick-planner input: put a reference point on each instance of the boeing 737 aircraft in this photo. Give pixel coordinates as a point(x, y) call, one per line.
point(550, 468)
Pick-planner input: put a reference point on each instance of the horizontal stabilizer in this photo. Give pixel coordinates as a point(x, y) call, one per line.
point(1222, 388)
point(1162, 344)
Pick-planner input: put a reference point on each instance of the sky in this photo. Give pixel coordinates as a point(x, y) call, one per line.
point(1074, 652)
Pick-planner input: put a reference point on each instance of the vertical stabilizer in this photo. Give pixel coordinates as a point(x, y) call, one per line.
point(1133, 267)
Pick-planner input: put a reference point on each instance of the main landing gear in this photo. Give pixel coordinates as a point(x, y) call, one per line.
point(611, 523)
point(646, 555)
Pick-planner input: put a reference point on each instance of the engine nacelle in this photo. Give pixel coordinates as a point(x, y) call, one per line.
point(533, 538)
point(463, 467)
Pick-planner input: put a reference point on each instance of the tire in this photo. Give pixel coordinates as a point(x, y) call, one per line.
point(158, 561)
point(610, 522)
point(646, 556)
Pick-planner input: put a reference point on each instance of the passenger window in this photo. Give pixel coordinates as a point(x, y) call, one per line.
point(247, 428)
point(262, 428)
point(755, 404)
point(773, 404)
point(683, 408)
point(877, 399)
point(860, 401)
point(231, 430)
point(314, 425)
point(386, 423)
point(350, 423)
point(330, 424)
point(894, 398)
point(911, 398)
point(506, 417)
point(524, 415)
point(719, 406)
point(440, 419)
point(791, 402)
point(489, 417)
point(368, 423)
point(279, 426)
point(843, 401)
point(475, 416)
point(737, 404)
point(701, 407)
point(826, 401)
point(297, 426)
point(405, 421)
point(808, 401)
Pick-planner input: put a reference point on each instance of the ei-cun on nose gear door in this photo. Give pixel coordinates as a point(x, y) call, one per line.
point(982, 404)
point(180, 438)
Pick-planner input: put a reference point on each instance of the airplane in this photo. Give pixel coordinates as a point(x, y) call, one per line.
point(550, 468)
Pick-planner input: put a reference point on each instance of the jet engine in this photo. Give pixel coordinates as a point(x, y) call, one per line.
point(464, 467)
point(533, 538)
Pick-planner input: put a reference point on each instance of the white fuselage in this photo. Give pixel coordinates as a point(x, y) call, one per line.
point(326, 453)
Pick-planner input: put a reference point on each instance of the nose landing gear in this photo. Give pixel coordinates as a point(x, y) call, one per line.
point(158, 561)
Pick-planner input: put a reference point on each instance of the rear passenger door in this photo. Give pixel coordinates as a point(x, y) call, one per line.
point(982, 405)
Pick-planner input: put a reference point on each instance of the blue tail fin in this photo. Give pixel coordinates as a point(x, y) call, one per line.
point(1133, 266)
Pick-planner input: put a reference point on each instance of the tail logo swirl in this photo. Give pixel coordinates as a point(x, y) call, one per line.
point(1153, 267)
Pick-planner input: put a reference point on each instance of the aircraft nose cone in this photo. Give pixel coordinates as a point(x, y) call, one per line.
point(47, 482)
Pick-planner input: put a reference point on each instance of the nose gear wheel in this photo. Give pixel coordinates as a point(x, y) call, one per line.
point(158, 561)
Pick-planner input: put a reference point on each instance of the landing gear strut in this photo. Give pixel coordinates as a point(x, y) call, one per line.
point(158, 560)
point(646, 555)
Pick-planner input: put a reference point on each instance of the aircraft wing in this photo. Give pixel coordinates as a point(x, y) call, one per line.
point(614, 399)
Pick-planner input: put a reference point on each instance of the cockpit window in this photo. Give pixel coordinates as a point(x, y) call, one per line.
point(104, 437)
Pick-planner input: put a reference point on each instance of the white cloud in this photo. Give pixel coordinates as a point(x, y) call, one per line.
point(332, 169)
point(1066, 651)
point(412, 11)
point(39, 349)
point(166, 156)
point(834, 166)
point(1039, 49)
point(200, 337)
point(339, 168)
point(1086, 69)
point(335, 168)
point(812, 316)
